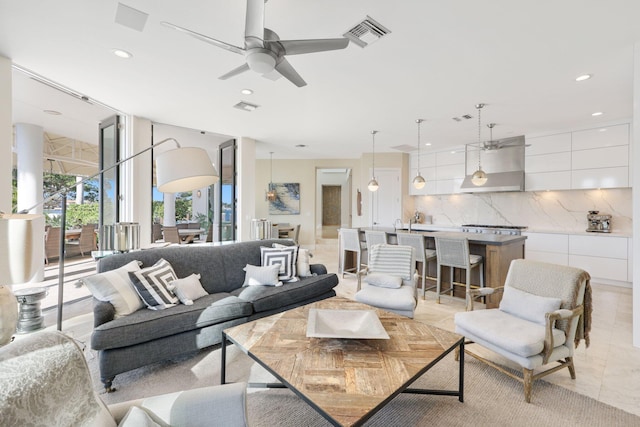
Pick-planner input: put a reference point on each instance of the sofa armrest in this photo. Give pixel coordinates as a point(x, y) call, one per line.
point(318, 269)
point(103, 312)
point(220, 405)
point(550, 322)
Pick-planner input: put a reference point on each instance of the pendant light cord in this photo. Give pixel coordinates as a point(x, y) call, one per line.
point(479, 107)
point(419, 122)
point(373, 158)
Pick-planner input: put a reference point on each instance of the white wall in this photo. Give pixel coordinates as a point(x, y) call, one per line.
point(6, 135)
point(247, 190)
point(635, 182)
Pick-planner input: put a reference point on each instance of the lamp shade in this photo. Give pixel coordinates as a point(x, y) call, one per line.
point(184, 169)
point(20, 235)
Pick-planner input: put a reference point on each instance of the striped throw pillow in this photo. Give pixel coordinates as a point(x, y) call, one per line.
point(284, 257)
point(394, 260)
point(152, 284)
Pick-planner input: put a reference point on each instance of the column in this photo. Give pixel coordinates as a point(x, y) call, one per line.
point(6, 135)
point(635, 192)
point(169, 209)
point(29, 139)
point(79, 191)
point(245, 169)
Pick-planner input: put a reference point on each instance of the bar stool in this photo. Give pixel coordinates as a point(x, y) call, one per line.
point(423, 255)
point(371, 238)
point(350, 242)
point(454, 253)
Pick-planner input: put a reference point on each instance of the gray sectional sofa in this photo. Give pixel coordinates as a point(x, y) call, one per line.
point(148, 336)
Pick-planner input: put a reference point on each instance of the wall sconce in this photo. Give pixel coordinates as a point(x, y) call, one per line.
point(198, 194)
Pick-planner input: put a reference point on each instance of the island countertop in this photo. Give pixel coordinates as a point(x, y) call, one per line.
point(474, 238)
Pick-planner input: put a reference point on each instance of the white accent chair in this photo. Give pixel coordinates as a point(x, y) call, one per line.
point(454, 253)
point(350, 242)
point(423, 255)
point(389, 280)
point(45, 381)
point(545, 311)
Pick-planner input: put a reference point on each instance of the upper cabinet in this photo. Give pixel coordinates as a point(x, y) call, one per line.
point(592, 158)
point(443, 171)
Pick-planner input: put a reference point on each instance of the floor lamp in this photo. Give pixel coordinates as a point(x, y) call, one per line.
point(177, 170)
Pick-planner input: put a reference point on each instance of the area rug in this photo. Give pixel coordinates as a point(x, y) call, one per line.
point(490, 398)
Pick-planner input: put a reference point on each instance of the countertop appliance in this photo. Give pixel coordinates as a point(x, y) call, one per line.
point(511, 230)
point(598, 223)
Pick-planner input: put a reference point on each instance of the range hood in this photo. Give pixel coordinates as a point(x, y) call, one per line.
point(503, 162)
point(499, 181)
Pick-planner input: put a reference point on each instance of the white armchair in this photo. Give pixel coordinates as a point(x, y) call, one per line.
point(545, 311)
point(45, 381)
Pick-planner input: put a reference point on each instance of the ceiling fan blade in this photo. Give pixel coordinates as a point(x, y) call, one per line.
point(254, 24)
point(207, 39)
point(289, 73)
point(297, 47)
point(241, 69)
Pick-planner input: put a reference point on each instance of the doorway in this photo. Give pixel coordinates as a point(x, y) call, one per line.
point(331, 210)
point(385, 203)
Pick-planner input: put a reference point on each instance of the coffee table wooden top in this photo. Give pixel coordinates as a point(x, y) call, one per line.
point(344, 378)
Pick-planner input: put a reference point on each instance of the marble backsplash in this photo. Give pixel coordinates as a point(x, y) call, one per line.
point(560, 211)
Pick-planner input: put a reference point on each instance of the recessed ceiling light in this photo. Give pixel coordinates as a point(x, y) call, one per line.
point(602, 130)
point(121, 53)
point(597, 113)
point(52, 112)
point(583, 77)
point(428, 144)
point(453, 152)
point(246, 91)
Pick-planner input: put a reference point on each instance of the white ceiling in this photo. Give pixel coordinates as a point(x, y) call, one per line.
point(442, 57)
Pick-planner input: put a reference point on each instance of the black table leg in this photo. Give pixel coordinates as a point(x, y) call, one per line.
point(223, 358)
point(461, 373)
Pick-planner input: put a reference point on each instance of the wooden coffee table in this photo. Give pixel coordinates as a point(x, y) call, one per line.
point(346, 380)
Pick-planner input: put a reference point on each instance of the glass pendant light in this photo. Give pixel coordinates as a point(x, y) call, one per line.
point(479, 177)
point(418, 181)
point(271, 194)
point(373, 184)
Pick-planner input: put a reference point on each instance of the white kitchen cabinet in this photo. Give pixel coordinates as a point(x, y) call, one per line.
point(601, 268)
point(606, 136)
point(598, 246)
point(547, 247)
point(600, 178)
point(455, 156)
point(547, 181)
point(548, 144)
point(548, 162)
point(606, 157)
point(444, 171)
point(427, 161)
point(450, 171)
point(448, 186)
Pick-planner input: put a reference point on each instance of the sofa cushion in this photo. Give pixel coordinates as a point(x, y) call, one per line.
point(265, 298)
point(508, 332)
point(116, 287)
point(147, 325)
point(152, 284)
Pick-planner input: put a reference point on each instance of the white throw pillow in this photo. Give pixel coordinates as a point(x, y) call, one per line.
point(267, 275)
point(115, 287)
point(188, 289)
point(528, 306)
point(137, 417)
point(285, 258)
point(303, 264)
point(151, 284)
point(383, 280)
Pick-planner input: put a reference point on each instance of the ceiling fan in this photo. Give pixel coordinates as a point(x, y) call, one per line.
point(497, 144)
point(263, 50)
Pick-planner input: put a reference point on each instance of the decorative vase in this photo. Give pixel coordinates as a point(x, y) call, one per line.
point(8, 315)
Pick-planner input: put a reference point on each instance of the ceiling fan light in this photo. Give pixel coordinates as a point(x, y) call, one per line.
point(373, 185)
point(479, 178)
point(261, 61)
point(418, 182)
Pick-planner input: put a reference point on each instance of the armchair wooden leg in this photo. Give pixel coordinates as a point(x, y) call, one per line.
point(572, 368)
point(528, 384)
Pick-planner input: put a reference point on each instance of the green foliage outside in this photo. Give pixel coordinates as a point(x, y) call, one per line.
point(77, 215)
point(183, 208)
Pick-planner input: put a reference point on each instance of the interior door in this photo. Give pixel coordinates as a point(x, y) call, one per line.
point(331, 205)
point(385, 203)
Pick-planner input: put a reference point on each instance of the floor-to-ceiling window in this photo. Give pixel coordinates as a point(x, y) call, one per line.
point(225, 215)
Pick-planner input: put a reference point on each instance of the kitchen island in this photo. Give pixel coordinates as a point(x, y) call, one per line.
point(497, 251)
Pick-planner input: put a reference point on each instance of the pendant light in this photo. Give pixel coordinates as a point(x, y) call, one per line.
point(271, 194)
point(479, 177)
point(418, 181)
point(373, 184)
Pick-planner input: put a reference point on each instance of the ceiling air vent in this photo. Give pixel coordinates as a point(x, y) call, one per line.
point(405, 148)
point(366, 32)
point(245, 106)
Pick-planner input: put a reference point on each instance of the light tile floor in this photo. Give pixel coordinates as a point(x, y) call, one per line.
point(609, 370)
